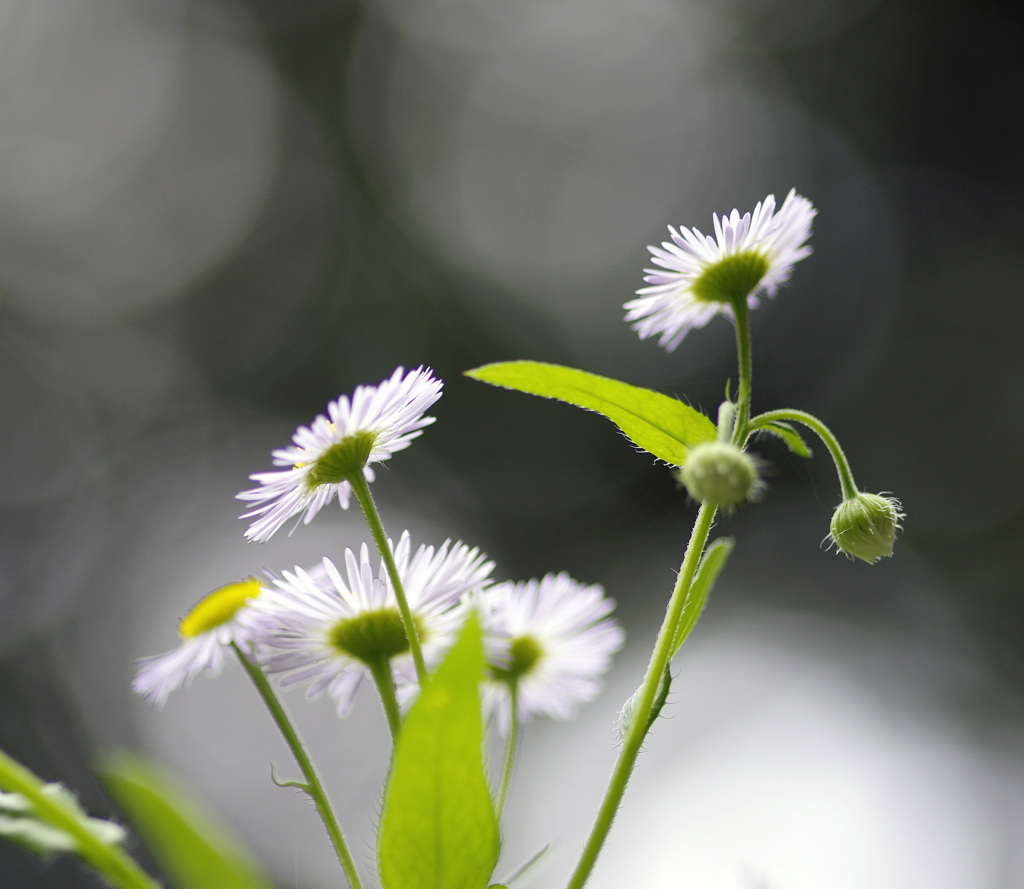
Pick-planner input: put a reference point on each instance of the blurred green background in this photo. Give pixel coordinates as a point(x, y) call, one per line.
point(217, 216)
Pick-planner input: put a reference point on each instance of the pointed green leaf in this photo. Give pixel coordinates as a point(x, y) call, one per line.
point(789, 435)
point(438, 828)
point(661, 425)
point(710, 567)
point(192, 849)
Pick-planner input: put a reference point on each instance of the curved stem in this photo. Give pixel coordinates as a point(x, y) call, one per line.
point(510, 749)
point(639, 724)
point(313, 786)
point(362, 493)
point(746, 363)
point(107, 859)
point(385, 682)
point(823, 432)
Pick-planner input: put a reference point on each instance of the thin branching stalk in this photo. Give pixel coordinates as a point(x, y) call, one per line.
point(362, 493)
point(511, 749)
point(823, 432)
point(639, 724)
point(312, 785)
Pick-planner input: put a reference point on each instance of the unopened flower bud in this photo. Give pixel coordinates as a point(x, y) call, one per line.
point(865, 526)
point(720, 474)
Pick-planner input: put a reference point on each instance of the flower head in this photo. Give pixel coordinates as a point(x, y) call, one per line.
point(552, 638)
point(719, 473)
point(701, 276)
point(865, 526)
point(217, 620)
point(329, 632)
point(326, 455)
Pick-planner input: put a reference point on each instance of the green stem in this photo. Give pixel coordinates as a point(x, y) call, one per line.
point(362, 493)
point(109, 860)
point(639, 725)
point(510, 749)
point(823, 432)
point(746, 364)
point(313, 786)
point(385, 682)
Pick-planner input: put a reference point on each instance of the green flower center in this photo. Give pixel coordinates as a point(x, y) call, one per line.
point(372, 636)
point(218, 607)
point(343, 461)
point(525, 652)
point(732, 278)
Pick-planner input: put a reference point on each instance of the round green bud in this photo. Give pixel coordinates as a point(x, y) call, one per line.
point(865, 526)
point(720, 474)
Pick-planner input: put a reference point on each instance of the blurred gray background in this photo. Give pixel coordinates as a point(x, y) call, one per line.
point(216, 216)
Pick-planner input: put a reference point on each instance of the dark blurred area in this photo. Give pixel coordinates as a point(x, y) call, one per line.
point(217, 216)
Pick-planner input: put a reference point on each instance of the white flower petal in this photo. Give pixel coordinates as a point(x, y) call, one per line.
point(302, 611)
point(392, 411)
point(569, 623)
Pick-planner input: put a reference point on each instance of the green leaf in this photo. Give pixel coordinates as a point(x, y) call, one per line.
point(710, 567)
point(438, 828)
point(661, 425)
point(789, 435)
point(194, 851)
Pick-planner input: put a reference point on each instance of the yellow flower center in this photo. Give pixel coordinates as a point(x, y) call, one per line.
point(218, 607)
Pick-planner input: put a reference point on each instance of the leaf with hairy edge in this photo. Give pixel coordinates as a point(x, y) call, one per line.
point(660, 424)
point(789, 435)
point(438, 827)
point(193, 850)
point(710, 567)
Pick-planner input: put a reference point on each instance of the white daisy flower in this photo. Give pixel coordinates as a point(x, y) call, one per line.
point(324, 456)
point(701, 276)
point(329, 634)
point(553, 638)
point(207, 631)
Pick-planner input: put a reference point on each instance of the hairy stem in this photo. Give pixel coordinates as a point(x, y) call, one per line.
point(746, 367)
point(362, 493)
point(385, 682)
point(510, 749)
point(823, 432)
point(313, 785)
point(639, 724)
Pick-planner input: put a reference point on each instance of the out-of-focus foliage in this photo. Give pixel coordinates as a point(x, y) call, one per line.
point(193, 849)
